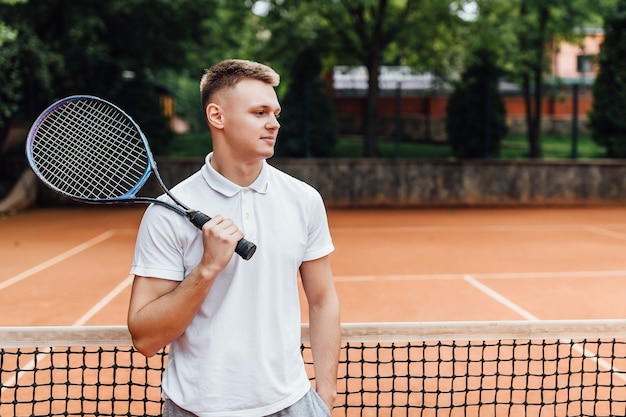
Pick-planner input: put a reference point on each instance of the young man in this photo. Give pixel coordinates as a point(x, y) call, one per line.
point(233, 325)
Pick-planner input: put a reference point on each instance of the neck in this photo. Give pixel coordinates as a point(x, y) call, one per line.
point(240, 172)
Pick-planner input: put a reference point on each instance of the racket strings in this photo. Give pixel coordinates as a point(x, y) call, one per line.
point(89, 149)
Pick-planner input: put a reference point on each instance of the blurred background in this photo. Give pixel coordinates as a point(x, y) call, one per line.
point(411, 80)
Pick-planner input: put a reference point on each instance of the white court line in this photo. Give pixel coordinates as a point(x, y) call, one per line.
point(499, 275)
point(485, 228)
point(474, 228)
point(44, 353)
point(499, 298)
point(104, 301)
point(556, 274)
point(606, 232)
point(529, 316)
point(83, 319)
point(57, 259)
point(372, 278)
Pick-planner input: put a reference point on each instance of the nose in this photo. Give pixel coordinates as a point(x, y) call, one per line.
point(273, 123)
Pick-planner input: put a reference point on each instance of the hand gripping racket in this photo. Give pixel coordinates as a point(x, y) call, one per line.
point(90, 150)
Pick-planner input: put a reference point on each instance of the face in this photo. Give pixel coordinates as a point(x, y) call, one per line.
point(249, 119)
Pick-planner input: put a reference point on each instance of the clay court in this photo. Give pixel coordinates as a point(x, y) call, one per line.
point(69, 267)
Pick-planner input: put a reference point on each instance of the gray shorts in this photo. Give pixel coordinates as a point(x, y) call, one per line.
point(311, 405)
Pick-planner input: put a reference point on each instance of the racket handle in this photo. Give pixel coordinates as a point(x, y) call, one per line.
point(244, 248)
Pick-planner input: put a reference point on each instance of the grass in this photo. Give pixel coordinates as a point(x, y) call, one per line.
point(353, 148)
point(553, 147)
point(512, 147)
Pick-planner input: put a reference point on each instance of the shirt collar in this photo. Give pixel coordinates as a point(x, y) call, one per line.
point(224, 186)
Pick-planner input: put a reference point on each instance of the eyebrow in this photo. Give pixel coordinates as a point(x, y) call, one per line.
point(266, 107)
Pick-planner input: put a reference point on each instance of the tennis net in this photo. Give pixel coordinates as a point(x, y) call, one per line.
point(503, 368)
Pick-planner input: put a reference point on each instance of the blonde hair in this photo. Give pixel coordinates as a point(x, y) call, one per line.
point(228, 73)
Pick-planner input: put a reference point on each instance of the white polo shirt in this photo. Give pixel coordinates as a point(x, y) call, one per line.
point(240, 356)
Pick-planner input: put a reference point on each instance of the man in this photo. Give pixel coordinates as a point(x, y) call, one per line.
point(233, 325)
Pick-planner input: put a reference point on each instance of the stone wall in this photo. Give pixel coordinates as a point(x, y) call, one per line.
point(420, 183)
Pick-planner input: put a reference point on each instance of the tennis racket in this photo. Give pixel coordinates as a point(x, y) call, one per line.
point(90, 150)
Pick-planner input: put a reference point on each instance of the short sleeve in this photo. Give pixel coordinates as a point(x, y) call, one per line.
point(158, 249)
point(319, 239)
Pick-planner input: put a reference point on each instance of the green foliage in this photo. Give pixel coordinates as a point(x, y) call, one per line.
point(197, 145)
point(62, 47)
point(554, 147)
point(190, 145)
point(476, 116)
point(364, 32)
point(430, 38)
point(536, 24)
point(10, 81)
point(228, 29)
point(10, 76)
point(85, 47)
point(607, 119)
point(12, 164)
point(140, 99)
point(308, 121)
point(186, 92)
point(353, 148)
point(494, 30)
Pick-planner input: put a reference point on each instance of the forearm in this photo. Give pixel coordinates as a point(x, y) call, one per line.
point(325, 335)
point(160, 311)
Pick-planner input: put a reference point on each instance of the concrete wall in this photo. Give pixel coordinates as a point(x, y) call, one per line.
point(419, 183)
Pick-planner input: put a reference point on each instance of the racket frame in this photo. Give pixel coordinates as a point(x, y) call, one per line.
point(245, 249)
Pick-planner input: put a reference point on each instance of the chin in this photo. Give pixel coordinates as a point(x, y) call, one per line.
point(268, 153)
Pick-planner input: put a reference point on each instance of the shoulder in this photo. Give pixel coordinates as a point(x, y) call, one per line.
point(161, 224)
point(293, 184)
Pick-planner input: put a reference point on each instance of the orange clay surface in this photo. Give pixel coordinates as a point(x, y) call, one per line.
point(70, 266)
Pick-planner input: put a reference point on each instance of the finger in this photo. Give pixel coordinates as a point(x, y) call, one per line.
point(223, 229)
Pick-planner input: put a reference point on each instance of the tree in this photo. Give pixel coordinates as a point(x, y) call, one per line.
point(607, 121)
point(538, 24)
point(363, 32)
point(308, 122)
point(112, 49)
point(10, 79)
point(12, 159)
point(229, 30)
point(476, 116)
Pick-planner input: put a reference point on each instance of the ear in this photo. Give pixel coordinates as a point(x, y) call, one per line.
point(214, 116)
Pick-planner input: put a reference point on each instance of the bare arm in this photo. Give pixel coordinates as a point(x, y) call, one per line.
point(325, 330)
point(160, 310)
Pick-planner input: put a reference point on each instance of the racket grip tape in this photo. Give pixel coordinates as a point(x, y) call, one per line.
point(244, 248)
